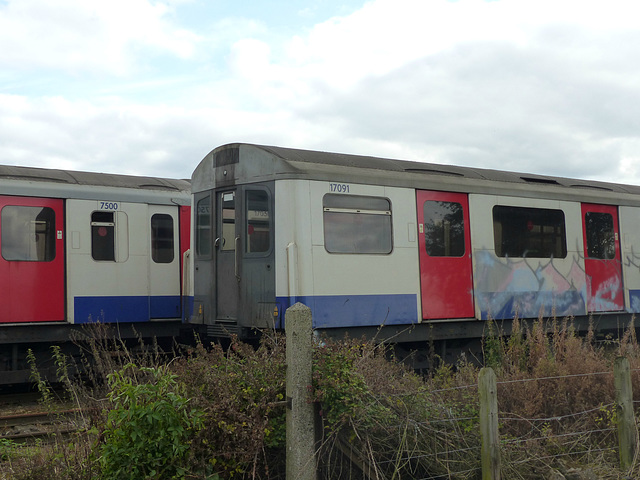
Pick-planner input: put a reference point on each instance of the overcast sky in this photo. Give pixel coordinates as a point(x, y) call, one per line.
point(150, 87)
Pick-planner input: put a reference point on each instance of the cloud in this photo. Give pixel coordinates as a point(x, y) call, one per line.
point(88, 35)
point(546, 87)
point(535, 85)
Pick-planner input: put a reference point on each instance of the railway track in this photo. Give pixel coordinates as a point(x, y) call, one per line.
point(28, 428)
point(33, 425)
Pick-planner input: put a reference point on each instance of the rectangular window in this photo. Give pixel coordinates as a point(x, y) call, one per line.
point(529, 232)
point(162, 238)
point(357, 224)
point(257, 218)
point(103, 235)
point(28, 234)
point(444, 229)
point(203, 227)
point(600, 235)
point(228, 216)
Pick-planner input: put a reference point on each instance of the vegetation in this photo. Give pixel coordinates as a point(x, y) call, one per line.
point(219, 413)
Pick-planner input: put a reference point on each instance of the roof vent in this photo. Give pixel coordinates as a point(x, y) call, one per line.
point(596, 187)
point(156, 186)
point(431, 171)
point(547, 181)
point(34, 177)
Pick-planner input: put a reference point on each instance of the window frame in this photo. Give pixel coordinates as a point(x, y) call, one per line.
point(245, 226)
point(110, 226)
point(158, 252)
point(50, 233)
point(516, 216)
point(459, 242)
point(358, 207)
point(608, 245)
point(201, 228)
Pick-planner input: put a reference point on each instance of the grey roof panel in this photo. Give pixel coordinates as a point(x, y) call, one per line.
point(263, 161)
point(89, 178)
point(55, 183)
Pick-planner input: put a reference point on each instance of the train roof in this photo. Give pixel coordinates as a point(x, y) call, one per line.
point(57, 183)
point(241, 163)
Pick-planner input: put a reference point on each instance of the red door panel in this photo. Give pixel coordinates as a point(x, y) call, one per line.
point(602, 258)
point(31, 260)
point(445, 255)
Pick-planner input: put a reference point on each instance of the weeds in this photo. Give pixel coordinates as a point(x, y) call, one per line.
point(149, 426)
point(217, 413)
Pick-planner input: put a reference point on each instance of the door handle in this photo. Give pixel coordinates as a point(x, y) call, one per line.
point(237, 262)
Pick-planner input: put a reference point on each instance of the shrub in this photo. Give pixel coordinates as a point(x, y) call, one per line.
point(242, 389)
point(148, 429)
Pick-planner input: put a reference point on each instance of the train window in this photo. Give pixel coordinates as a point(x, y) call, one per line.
point(203, 227)
point(228, 216)
point(28, 234)
point(257, 215)
point(357, 224)
point(162, 238)
point(529, 232)
point(103, 229)
point(600, 235)
point(444, 229)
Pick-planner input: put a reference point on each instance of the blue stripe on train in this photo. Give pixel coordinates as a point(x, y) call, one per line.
point(634, 301)
point(125, 308)
point(333, 311)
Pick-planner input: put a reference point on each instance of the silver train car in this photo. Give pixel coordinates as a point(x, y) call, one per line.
point(404, 250)
point(80, 247)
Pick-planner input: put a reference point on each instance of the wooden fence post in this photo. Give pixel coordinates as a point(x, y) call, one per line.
point(490, 449)
point(301, 461)
point(627, 433)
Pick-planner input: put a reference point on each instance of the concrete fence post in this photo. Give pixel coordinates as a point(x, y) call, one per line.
point(627, 433)
point(301, 461)
point(490, 448)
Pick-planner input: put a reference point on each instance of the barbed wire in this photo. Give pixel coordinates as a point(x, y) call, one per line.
point(558, 417)
point(429, 455)
point(566, 454)
point(557, 435)
point(450, 474)
point(556, 377)
point(565, 440)
point(506, 382)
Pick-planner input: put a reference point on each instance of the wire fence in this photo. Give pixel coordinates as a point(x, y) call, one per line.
point(446, 442)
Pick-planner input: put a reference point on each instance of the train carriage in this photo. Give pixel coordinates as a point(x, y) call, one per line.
point(78, 247)
point(403, 249)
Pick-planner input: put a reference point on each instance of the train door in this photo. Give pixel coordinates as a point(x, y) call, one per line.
point(31, 260)
point(445, 255)
point(227, 247)
point(243, 257)
point(602, 261)
point(164, 263)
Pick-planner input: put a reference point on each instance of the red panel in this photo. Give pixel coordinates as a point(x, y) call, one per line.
point(185, 237)
point(445, 275)
point(605, 291)
point(33, 291)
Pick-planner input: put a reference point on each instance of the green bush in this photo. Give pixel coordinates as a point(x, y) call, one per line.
point(241, 388)
point(148, 429)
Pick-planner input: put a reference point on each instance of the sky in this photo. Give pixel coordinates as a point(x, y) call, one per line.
point(150, 87)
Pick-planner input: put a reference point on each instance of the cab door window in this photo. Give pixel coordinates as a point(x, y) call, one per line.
point(228, 215)
point(257, 222)
point(203, 227)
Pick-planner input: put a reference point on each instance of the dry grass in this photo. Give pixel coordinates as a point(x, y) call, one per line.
point(381, 420)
